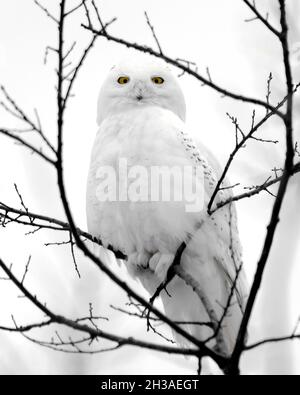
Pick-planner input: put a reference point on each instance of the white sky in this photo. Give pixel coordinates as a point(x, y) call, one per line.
point(240, 56)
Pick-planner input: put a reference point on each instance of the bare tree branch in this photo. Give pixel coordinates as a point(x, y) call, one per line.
point(91, 331)
point(46, 11)
point(26, 328)
point(258, 189)
point(18, 139)
point(238, 147)
point(288, 169)
point(261, 18)
point(271, 340)
point(153, 33)
point(183, 67)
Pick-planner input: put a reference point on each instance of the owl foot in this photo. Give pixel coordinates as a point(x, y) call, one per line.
point(160, 264)
point(138, 261)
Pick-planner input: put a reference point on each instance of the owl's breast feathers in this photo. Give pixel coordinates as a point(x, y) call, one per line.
point(148, 137)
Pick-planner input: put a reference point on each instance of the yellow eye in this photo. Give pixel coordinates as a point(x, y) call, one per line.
point(157, 80)
point(123, 80)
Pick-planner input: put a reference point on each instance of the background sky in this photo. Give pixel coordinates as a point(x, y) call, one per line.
point(240, 57)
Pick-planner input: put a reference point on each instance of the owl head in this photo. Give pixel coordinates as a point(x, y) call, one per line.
point(137, 82)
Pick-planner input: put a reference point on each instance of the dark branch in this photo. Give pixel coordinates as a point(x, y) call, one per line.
point(153, 33)
point(183, 67)
point(18, 139)
point(240, 145)
point(261, 18)
point(91, 331)
point(288, 171)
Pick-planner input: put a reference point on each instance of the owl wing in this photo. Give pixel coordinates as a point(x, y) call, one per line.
point(226, 229)
point(233, 268)
point(213, 259)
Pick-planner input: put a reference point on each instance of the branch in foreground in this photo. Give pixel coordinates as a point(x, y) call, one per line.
point(19, 140)
point(293, 336)
point(258, 189)
point(26, 328)
point(91, 331)
point(272, 340)
point(239, 146)
point(18, 113)
point(261, 18)
point(59, 225)
point(287, 173)
point(56, 224)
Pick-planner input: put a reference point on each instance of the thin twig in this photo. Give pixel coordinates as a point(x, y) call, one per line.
point(261, 18)
point(153, 33)
point(26, 269)
point(46, 11)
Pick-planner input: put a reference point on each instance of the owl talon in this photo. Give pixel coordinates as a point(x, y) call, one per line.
point(143, 260)
point(160, 264)
point(138, 261)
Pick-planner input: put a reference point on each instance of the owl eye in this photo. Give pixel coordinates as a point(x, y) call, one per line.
point(157, 80)
point(123, 80)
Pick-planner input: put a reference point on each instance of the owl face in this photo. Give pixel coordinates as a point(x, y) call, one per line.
point(136, 84)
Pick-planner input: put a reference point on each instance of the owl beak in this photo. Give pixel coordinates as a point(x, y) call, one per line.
point(139, 90)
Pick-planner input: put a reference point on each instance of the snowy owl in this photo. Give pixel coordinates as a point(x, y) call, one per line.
point(141, 119)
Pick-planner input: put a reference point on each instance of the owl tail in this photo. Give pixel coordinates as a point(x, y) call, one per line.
point(184, 305)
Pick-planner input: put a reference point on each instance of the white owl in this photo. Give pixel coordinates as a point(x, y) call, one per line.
point(141, 115)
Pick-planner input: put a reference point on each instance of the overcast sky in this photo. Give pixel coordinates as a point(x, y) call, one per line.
point(240, 57)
